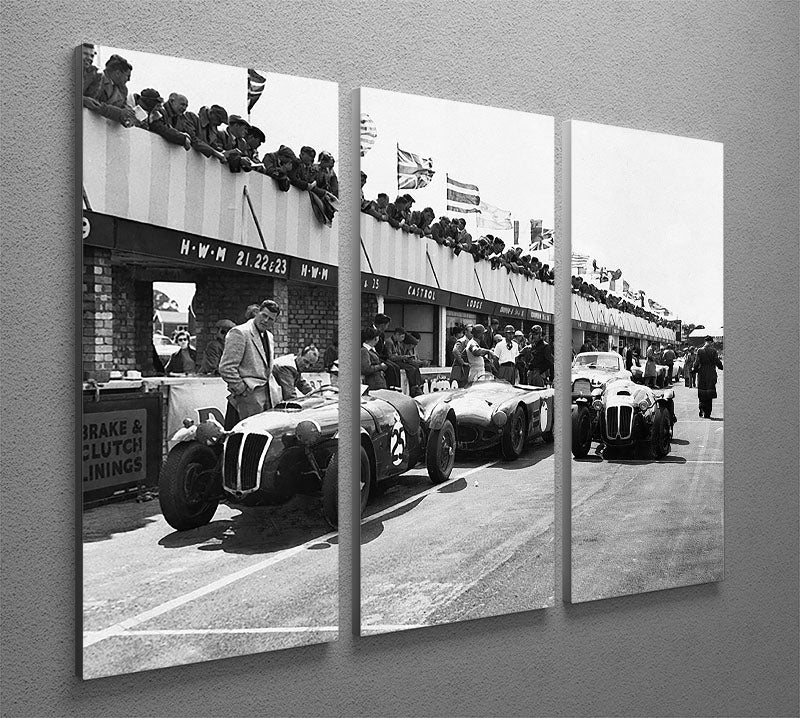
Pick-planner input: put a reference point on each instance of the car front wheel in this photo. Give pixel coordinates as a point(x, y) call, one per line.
point(581, 432)
point(440, 454)
point(514, 434)
point(183, 486)
point(661, 434)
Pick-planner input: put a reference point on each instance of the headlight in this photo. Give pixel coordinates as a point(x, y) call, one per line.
point(597, 405)
point(499, 419)
point(308, 432)
point(644, 405)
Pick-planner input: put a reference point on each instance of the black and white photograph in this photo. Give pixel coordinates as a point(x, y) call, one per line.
point(648, 346)
point(209, 361)
point(456, 359)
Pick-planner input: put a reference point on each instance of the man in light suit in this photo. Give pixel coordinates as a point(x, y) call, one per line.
point(246, 364)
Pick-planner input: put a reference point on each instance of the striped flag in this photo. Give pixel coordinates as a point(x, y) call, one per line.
point(462, 197)
point(255, 86)
point(368, 133)
point(580, 262)
point(413, 171)
point(492, 217)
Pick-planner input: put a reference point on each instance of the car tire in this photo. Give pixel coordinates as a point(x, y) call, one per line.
point(440, 453)
point(661, 433)
point(581, 432)
point(330, 487)
point(178, 485)
point(515, 432)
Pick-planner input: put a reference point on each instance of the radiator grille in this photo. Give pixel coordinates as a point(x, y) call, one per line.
point(618, 421)
point(242, 463)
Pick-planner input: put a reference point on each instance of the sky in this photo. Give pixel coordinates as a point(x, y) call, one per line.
point(652, 205)
point(507, 154)
point(309, 110)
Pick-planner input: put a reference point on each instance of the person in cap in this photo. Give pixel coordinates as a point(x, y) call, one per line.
point(476, 353)
point(303, 174)
point(150, 112)
point(108, 96)
point(541, 361)
point(507, 351)
point(278, 165)
point(397, 355)
point(399, 214)
point(236, 144)
point(215, 346)
point(254, 138)
point(210, 140)
point(706, 363)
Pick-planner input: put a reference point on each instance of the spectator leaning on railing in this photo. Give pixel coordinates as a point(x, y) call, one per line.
point(151, 117)
point(108, 96)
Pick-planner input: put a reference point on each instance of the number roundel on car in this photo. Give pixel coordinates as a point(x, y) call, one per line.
point(543, 416)
point(397, 440)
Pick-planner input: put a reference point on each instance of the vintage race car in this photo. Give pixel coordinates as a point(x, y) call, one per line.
point(623, 414)
point(292, 449)
point(591, 370)
point(486, 413)
point(637, 373)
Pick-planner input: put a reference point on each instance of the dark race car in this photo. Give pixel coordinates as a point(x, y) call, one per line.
point(622, 414)
point(488, 412)
point(292, 449)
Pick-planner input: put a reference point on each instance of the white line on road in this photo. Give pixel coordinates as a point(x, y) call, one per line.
point(92, 637)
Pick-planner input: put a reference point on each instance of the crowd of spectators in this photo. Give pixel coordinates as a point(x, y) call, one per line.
point(236, 146)
point(594, 294)
point(452, 233)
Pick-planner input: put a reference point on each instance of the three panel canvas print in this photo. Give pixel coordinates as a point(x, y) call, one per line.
point(208, 441)
point(209, 354)
point(457, 316)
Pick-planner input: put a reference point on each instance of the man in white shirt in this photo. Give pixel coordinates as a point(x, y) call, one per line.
point(507, 351)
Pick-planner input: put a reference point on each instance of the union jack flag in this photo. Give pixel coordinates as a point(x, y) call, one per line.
point(255, 86)
point(543, 241)
point(413, 171)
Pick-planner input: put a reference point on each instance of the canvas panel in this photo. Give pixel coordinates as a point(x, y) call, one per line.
point(203, 531)
point(457, 489)
point(646, 214)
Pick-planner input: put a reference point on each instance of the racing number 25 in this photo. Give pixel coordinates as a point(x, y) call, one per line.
point(397, 440)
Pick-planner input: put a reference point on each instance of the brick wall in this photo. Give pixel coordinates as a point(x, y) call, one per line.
point(369, 308)
point(313, 314)
point(133, 320)
point(225, 295)
point(98, 315)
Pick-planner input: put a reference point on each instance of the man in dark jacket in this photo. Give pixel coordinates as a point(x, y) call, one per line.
point(278, 165)
point(541, 361)
point(176, 116)
point(210, 140)
point(151, 103)
point(705, 367)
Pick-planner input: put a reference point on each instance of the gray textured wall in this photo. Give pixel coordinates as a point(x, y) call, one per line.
point(719, 71)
